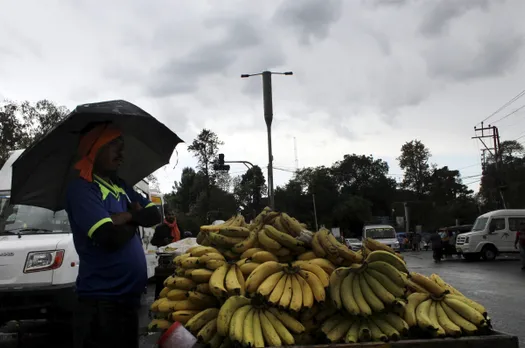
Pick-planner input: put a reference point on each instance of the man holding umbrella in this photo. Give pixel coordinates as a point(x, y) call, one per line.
point(104, 214)
point(74, 167)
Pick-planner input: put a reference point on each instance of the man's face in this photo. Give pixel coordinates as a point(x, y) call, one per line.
point(110, 156)
point(170, 217)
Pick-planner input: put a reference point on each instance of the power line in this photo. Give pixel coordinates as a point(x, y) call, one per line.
point(472, 182)
point(509, 114)
point(518, 96)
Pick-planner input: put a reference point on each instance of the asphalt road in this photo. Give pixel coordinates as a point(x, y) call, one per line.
point(498, 285)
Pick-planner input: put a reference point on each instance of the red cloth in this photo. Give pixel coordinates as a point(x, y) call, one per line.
point(175, 233)
point(89, 146)
point(520, 237)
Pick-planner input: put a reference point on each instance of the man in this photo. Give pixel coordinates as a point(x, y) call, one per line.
point(437, 247)
point(104, 214)
point(520, 239)
point(167, 232)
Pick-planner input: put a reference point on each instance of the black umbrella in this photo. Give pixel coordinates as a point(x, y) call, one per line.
point(42, 172)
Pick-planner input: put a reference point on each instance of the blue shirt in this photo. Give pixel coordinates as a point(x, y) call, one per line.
point(102, 274)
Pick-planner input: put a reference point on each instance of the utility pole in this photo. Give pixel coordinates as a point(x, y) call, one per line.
point(268, 118)
point(494, 150)
point(315, 213)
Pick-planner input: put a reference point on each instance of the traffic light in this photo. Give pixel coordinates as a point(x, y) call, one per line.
point(219, 164)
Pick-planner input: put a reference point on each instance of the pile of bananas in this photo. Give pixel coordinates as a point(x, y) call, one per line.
point(272, 282)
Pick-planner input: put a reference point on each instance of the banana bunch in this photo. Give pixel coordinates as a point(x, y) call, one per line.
point(227, 234)
point(376, 285)
point(379, 327)
point(203, 325)
point(227, 280)
point(280, 221)
point(451, 315)
point(324, 245)
point(370, 244)
point(290, 287)
point(279, 243)
point(253, 325)
point(159, 325)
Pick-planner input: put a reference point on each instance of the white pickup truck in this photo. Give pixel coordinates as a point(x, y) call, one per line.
point(38, 260)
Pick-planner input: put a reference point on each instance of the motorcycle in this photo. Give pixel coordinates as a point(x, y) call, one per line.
point(426, 245)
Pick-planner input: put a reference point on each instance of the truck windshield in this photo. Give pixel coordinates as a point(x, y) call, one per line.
point(480, 224)
point(380, 233)
point(24, 219)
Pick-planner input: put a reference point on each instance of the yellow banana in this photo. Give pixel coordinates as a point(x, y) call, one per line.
point(335, 281)
point(386, 328)
point(317, 247)
point(181, 283)
point(466, 326)
point(330, 249)
point(278, 223)
point(315, 284)
point(263, 256)
point(183, 316)
point(308, 295)
point(217, 281)
point(397, 322)
point(190, 262)
point(216, 341)
point(448, 325)
point(296, 302)
point(282, 331)
point(214, 264)
point(164, 292)
point(290, 322)
point(290, 224)
point(370, 297)
point(201, 275)
point(318, 271)
point(155, 305)
point(378, 289)
point(325, 264)
point(381, 255)
point(247, 330)
point(286, 298)
point(260, 274)
point(282, 252)
point(309, 255)
point(331, 323)
point(352, 336)
point(200, 250)
point(159, 324)
point(226, 312)
point(278, 290)
point(414, 287)
point(447, 286)
point(245, 244)
point(376, 333)
point(423, 318)
point(429, 285)
point(200, 319)
point(187, 272)
point(480, 308)
point(248, 253)
point(248, 268)
point(203, 288)
point(267, 242)
point(195, 296)
point(339, 331)
point(465, 311)
point(187, 304)
point(235, 231)
point(240, 278)
point(284, 239)
point(373, 245)
point(208, 331)
point(347, 295)
point(223, 241)
point(388, 270)
point(176, 295)
point(203, 259)
point(364, 307)
point(364, 331)
point(395, 290)
point(258, 338)
point(435, 321)
point(270, 334)
point(267, 286)
point(413, 302)
point(232, 284)
point(237, 323)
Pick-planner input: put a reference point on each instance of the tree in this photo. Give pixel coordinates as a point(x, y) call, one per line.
point(414, 161)
point(249, 190)
point(205, 148)
point(23, 123)
point(445, 186)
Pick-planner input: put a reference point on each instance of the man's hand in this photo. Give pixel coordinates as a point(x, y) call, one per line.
point(121, 218)
point(135, 206)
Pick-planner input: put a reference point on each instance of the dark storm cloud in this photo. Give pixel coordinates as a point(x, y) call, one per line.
point(311, 18)
point(441, 13)
point(182, 74)
point(497, 55)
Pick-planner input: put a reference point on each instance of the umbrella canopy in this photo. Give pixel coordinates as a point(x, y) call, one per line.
point(42, 172)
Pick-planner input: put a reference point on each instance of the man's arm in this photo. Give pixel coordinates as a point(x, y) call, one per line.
point(160, 236)
point(148, 215)
point(86, 209)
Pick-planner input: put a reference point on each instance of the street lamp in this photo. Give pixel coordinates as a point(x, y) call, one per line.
point(268, 118)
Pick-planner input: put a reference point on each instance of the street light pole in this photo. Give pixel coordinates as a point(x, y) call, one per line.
point(268, 118)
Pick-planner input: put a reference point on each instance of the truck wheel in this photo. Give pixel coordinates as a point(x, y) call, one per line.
point(489, 253)
point(471, 257)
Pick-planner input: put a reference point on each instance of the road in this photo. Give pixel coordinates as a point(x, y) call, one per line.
point(497, 285)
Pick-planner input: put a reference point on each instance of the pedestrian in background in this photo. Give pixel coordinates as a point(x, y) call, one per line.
point(437, 246)
point(520, 240)
point(167, 232)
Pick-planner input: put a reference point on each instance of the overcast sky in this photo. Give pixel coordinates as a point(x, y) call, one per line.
point(368, 75)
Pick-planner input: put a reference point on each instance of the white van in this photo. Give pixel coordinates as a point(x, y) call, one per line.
point(493, 233)
point(385, 234)
point(38, 260)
